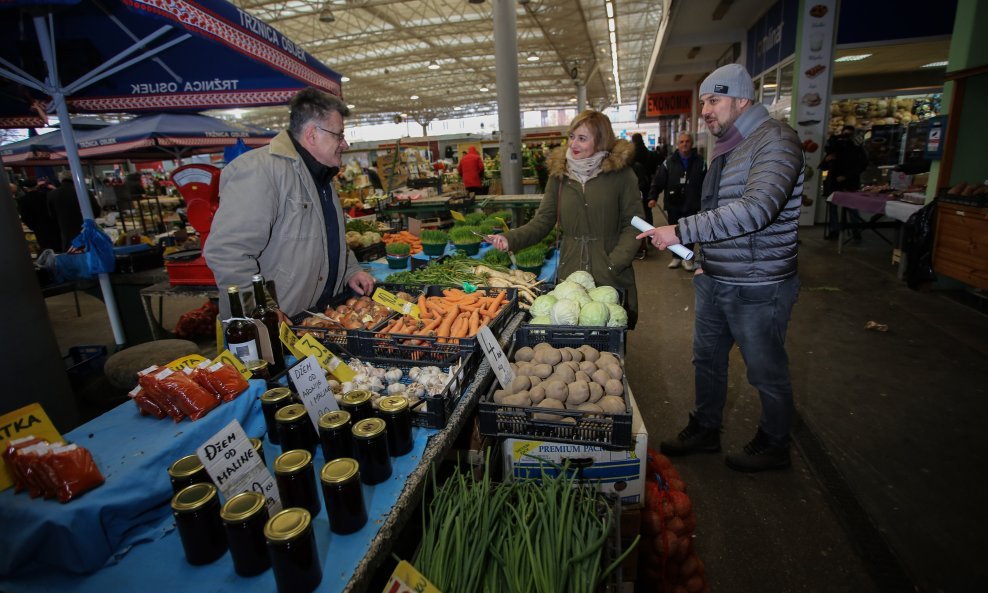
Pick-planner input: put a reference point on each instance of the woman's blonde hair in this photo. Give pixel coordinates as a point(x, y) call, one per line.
point(599, 126)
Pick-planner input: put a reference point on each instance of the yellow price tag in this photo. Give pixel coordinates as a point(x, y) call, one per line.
point(186, 362)
point(405, 579)
point(308, 345)
point(289, 339)
point(504, 225)
point(457, 216)
point(393, 302)
point(227, 357)
point(30, 420)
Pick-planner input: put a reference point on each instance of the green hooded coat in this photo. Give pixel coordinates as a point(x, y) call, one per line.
point(594, 220)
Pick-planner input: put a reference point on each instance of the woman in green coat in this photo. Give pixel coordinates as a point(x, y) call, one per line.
point(592, 194)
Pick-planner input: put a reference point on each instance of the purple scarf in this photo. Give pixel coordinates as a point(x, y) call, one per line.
point(728, 142)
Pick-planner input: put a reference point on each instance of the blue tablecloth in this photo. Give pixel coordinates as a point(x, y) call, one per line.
point(133, 452)
point(380, 271)
point(156, 562)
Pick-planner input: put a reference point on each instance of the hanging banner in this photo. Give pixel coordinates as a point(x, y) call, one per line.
point(672, 103)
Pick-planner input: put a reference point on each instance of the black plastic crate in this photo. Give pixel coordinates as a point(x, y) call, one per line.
point(369, 345)
point(84, 362)
point(978, 201)
point(371, 252)
point(332, 337)
point(434, 410)
point(610, 431)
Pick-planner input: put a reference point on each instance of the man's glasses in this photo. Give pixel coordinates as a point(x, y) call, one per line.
point(341, 136)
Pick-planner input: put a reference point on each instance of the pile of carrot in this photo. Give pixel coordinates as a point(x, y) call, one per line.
point(454, 315)
point(403, 237)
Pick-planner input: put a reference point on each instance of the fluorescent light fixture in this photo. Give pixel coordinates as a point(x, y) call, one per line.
point(344, 79)
point(350, 106)
point(484, 89)
point(612, 30)
point(935, 64)
point(610, 9)
point(433, 65)
point(414, 97)
point(532, 57)
point(853, 58)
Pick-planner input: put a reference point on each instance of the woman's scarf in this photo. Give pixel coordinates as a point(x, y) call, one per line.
point(583, 170)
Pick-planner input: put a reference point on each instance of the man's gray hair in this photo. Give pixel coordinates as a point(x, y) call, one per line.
point(312, 105)
point(685, 133)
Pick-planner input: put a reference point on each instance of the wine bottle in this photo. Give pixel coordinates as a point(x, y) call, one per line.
point(268, 315)
point(240, 333)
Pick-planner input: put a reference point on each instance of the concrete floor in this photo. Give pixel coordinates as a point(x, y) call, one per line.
point(888, 480)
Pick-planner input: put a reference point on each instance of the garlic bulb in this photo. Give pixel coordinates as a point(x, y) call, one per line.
point(393, 375)
point(396, 388)
point(413, 372)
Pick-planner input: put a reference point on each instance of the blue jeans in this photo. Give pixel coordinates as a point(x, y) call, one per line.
point(756, 319)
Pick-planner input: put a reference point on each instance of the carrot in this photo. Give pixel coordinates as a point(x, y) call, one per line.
point(498, 301)
point(446, 326)
point(432, 325)
point(458, 330)
point(423, 306)
point(474, 323)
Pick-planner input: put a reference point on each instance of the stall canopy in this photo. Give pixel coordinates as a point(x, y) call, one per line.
point(139, 56)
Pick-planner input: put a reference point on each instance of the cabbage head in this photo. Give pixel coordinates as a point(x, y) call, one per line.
point(605, 294)
point(541, 320)
point(594, 313)
point(567, 290)
point(582, 278)
point(565, 312)
point(581, 297)
point(619, 317)
point(542, 305)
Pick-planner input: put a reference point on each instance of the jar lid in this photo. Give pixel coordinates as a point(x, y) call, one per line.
point(185, 466)
point(368, 428)
point(258, 444)
point(256, 365)
point(334, 419)
point(287, 525)
point(339, 470)
point(242, 506)
point(194, 497)
point(290, 413)
point(292, 461)
point(275, 395)
point(356, 397)
point(393, 404)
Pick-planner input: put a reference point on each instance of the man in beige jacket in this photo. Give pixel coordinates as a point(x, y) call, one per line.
point(280, 217)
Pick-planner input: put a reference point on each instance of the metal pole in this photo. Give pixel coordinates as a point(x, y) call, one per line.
point(508, 108)
point(581, 96)
point(72, 152)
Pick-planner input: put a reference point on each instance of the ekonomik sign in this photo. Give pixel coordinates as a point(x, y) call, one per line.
point(673, 103)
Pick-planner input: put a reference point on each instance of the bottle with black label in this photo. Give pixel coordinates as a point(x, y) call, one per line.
point(268, 315)
point(240, 333)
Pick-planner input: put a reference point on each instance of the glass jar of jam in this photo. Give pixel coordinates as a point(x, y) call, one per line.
point(297, 481)
point(244, 517)
point(335, 435)
point(196, 509)
point(292, 549)
point(344, 495)
point(295, 430)
point(397, 416)
point(273, 400)
point(187, 471)
point(358, 403)
point(258, 369)
point(258, 445)
point(370, 448)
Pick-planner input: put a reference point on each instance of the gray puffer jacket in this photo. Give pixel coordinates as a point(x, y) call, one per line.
point(750, 214)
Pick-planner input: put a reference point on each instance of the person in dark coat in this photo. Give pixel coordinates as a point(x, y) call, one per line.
point(844, 160)
point(63, 205)
point(681, 178)
point(644, 167)
point(33, 209)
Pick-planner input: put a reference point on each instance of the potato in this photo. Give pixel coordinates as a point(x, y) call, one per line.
point(565, 374)
point(581, 376)
point(520, 383)
point(535, 379)
point(518, 399)
point(514, 367)
point(565, 354)
point(579, 392)
point(607, 358)
point(549, 356)
point(612, 404)
point(499, 396)
point(575, 355)
point(615, 371)
point(549, 404)
point(572, 364)
point(524, 354)
point(588, 367)
point(541, 370)
point(601, 377)
point(555, 389)
point(596, 392)
point(542, 345)
point(589, 407)
point(523, 368)
point(614, 387)
point(536, 394)
point(590, 353)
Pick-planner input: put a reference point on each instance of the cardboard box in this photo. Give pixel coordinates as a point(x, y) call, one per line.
point(899, 180)
point(618, 472)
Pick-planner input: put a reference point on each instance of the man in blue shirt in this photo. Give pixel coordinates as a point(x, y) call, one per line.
point(681, 177)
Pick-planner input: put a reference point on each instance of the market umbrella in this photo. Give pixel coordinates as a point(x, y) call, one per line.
point(141, 56)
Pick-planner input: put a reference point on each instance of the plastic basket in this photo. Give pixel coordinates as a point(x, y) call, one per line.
point(84, 361)
point(368, 345)
point(597, 334)
point(371, 252)
point(610, 431)
point(331, 337)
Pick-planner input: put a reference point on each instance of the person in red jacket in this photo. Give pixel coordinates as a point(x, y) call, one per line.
point(471, 170)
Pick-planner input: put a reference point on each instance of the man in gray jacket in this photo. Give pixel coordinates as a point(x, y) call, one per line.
point(747, 283)
point(279, 215)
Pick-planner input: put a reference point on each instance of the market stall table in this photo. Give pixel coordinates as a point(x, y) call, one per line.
point(380, 271)
point(349, 562)
point(876, 204)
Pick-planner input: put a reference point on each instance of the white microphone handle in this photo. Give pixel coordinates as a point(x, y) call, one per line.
point(679, 249)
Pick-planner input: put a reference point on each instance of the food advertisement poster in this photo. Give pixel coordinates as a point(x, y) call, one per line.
point(812, 104)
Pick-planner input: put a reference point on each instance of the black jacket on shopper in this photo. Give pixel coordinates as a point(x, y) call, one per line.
point(682, 185)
